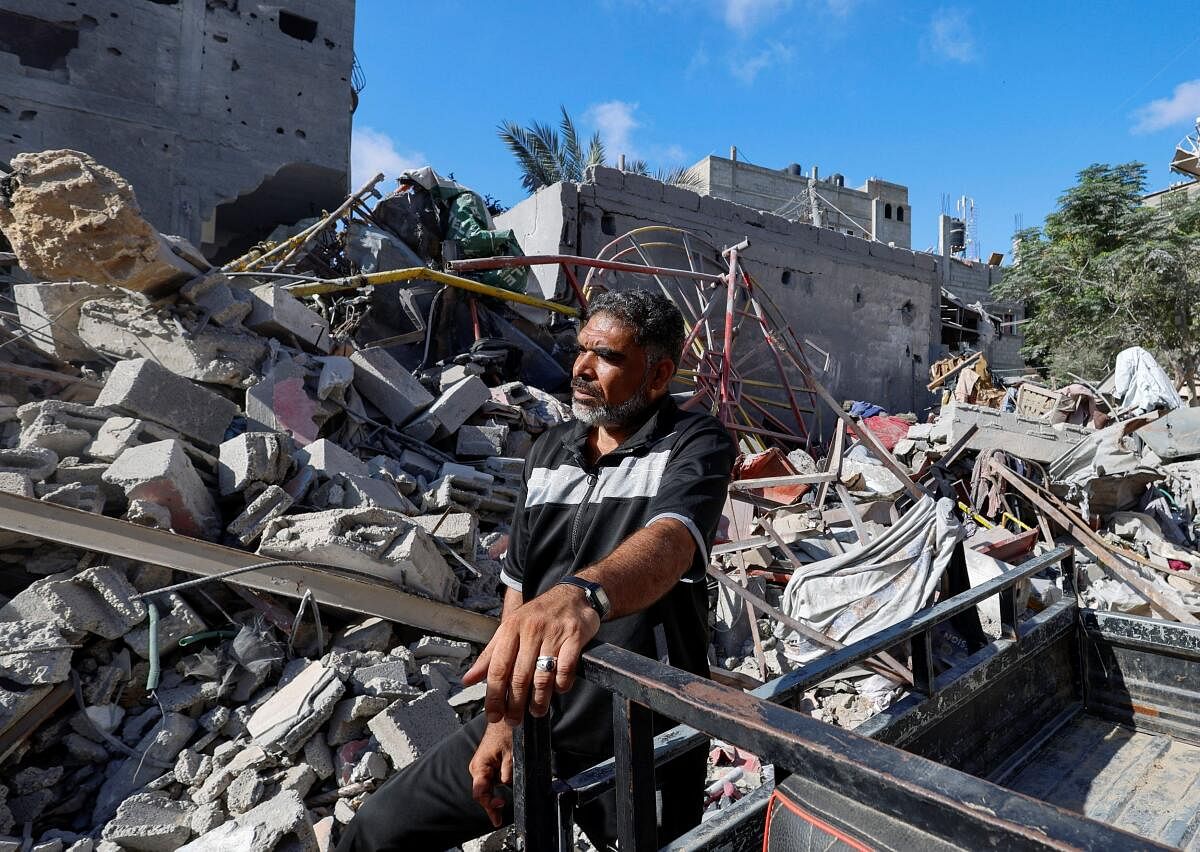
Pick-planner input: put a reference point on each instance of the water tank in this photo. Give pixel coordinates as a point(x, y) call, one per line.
point(837, 179)
point(958, 235)
point(794, 169)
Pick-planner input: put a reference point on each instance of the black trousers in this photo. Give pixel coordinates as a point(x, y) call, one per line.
point(428, 805)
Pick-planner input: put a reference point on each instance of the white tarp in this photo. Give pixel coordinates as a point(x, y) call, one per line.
point(1140, 383)
point(854, 595)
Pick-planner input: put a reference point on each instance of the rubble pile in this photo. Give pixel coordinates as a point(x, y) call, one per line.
point(172, 395)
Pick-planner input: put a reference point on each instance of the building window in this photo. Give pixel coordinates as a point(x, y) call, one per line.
point(297, 26)
point(899, 213)
point(887, 211)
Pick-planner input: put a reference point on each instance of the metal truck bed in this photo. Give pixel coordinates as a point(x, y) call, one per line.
point(1143, 782)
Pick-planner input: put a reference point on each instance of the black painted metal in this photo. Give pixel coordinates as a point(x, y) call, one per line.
point(924, 674)
point(633, 741)
point(534, 800)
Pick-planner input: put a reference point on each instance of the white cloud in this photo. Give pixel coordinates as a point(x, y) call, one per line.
point(672, 154)
point(949, 36)
point(1182, 107)
point(615, 122)
point(747, 68)
point(373, 151)
point(746, 15)
point(839, 8)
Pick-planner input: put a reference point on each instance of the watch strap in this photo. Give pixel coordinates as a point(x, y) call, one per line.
point(590, 595)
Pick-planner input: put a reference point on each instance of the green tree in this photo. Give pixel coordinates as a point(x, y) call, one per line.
point(1105, 272)
point(547, 155)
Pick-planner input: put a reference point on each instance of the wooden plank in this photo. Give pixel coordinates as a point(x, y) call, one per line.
point(1082, 533)
point(23, 728)
point(833, 462)
point(868, 437)
point(772, 481)
point(860, 531)
point(942, 380)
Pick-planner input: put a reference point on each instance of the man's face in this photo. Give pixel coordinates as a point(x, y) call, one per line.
point(611, 384)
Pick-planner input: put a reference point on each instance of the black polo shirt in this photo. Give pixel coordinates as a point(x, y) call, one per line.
point(571, 515)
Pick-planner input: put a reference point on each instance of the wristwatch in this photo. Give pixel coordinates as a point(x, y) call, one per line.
point(593, 593)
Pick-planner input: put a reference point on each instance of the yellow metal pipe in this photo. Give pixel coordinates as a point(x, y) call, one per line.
point(396, 276)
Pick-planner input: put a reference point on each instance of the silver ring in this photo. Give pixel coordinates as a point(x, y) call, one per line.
point(546, 664)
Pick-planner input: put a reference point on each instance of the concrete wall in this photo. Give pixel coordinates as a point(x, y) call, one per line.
point(845, 209)
point(196, 102)
point(873, 308)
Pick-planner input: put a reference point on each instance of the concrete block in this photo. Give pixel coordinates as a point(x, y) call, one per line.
point(380, 542)
point(252, 457)
point(337, 374)
point(329, 459)
point(372, 766)
point(371, 634)
point(277, 313)
point(159, 746)
point(142, 388)
point(67, 428)
point(466, 476)
point(481, 441)
point(319, 757)
point(35, 462)
point(206, 817)
point(459, 530)
point(150, 822)
point(98, 600)
point(116, 435)
point(428, 647)
point(419, 464)
point(175, 621)
point(162, 473)
point(261, 828)
point(213, 295)
point(294, 713)
point(53, 310)
point(35, 653)
point(299, 778)
point(244, 791)
point(362, 491)
point(406, 730)
point(350, 717)
point(388, 386)
point(1024, 437)
point(451, 409)
point(387, 468)
point(266, 507)
point(280, 402)
point(12, 482)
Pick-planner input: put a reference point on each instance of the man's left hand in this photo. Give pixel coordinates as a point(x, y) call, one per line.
point(557, 623)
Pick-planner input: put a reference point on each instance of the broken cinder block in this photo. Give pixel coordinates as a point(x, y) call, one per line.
point(162, 473)
point(142, 388)
point(388, 386)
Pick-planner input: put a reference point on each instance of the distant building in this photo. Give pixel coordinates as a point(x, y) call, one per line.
point(227, 116)
point(878, 210)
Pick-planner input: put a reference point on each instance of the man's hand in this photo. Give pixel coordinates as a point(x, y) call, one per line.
point(492, 765)
point(558, 623)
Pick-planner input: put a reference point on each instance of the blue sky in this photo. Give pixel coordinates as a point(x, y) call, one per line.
point(1003, 102)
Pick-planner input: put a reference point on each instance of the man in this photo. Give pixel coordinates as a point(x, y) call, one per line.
point(609, 543)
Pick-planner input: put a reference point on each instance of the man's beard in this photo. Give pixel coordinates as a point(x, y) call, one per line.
point(608, 416)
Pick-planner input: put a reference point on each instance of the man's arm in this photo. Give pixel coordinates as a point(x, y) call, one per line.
point(559, 623)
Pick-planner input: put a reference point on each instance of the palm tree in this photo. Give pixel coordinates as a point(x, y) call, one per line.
point(546, 158)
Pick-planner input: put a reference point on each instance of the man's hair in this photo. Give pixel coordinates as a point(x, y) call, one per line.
point(656, 323)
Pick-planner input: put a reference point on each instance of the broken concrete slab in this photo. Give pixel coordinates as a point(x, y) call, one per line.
point(459, 530)
point(53, 310)
point(366, 492)
point(371, 634)
point(98, 600)
point(67, 428)
point(388, 386)
point(280, 402)
point(34, 653)
point(126, 329)
point(329, 459)
point(252, 457)
point(337, 374)
point(294, 713)
point(162, 473)
point(262, 828)
point(350, 717)
point(379, 542)
point(212, 294)
point(12, 482)
point(407, 730)
point(277, 313)
point(68, 217)
point(150, 822)
point(477, 442)
point(1024, 437)
point(156, 751)
point(144, 389)
point(450, 410)
point(35, 462)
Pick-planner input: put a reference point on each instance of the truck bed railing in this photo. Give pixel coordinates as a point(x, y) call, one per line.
point(943, 802)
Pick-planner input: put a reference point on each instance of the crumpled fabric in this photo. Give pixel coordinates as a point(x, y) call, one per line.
point(1077, 405)
point(865, 409)
point(1140, 383)
point(987, 487)
point(854, 595)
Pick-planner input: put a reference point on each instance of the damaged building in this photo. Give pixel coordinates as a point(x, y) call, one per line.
point(230, 116)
